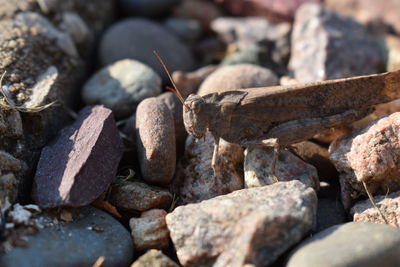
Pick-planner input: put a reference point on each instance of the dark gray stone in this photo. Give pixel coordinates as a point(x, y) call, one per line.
point(91, 234)
point(146, 7)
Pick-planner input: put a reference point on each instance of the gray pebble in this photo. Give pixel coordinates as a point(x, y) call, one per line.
point(121, 86)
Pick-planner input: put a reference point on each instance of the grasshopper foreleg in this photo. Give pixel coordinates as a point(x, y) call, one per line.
point(214, 161)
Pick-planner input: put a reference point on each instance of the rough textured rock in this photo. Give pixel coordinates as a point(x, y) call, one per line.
point(121, 86)
point(146, 8)
point(257, 168)
point(327, 45)
point(154, 258)
point(351, 244)
point(369, 155)
point(370, 11)
point(91, 233)
point(189, 82)
point(195, 180)
point(139, 196)
point(150, 230)
point(156, 141)
point(251, 226)
point(318, 156)
point(137, 38)
point(274, 10)
point(237, 77)
point(363, 211)
point(87, 153)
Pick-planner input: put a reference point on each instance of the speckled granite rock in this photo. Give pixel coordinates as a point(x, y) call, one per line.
point(154, 258)
point(249, 226)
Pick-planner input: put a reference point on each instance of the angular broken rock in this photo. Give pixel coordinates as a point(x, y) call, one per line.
point(250, 226)
point(257, 168)
point(150, 230)
point(371, 155)
point(155, 133)
point(363, 211)
point(154, 258)
point(81, 163)
point(195, 181)
point(139, 196)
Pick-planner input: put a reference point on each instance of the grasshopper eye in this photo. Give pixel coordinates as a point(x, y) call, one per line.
point(195, 106)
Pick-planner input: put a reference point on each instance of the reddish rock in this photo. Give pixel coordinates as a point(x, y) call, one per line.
point(257, 168)
point(156, 141)
point(370, 155)
point(274, 10)
point(150, 230)
point(327, 45)
point(195, 181)
point(237, 77)
point(139, 196)
point(81, 163)
point(363, 211)
point(249, 226)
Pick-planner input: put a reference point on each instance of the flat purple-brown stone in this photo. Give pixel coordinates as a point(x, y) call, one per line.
point(81, 163)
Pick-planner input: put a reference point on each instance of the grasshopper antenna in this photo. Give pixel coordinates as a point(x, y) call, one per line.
point(174, 89)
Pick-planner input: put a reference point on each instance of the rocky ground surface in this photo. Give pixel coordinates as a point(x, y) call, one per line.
point(97, 169)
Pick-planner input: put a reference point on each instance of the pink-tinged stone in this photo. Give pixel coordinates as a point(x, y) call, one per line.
point(258, 162)
point(274, 10)
point(156, 141)
point(370, 11)
point(363, 211)
point(327, 45)
point(195, 181)
point(81, 163)
point(249, 226)
point(150, 230)
point(371, 155)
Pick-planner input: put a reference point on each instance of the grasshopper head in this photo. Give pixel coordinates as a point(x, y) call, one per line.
point(195, 116)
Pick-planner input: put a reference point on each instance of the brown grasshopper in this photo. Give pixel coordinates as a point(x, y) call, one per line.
point(284, 115)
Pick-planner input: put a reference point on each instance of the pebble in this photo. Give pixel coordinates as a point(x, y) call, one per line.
point(318, 156)
point(139, 196)
point(327, 45)
point(273, 10)
point(87, 152)
point(77, 28)
point(195, 180)
point(370, 11)
point(237, 77)
point(137, 38)
point(91, 234)
point(156, 141)
point(121, 86)
point(363, 211)
point(350, 244)
point(147, 8)
point(154, 258)
point(370, 155)
point(150, 230)
point(9, 163)
point(10, 124)
point(188, 30)
point(257, 168)
point(253, 225)
point(392, 50)
point(189, 82)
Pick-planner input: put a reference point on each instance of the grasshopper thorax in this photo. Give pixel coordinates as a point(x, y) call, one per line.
point(195, 116)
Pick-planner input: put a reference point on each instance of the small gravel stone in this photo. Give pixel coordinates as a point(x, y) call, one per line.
point(139, 196)
point(154, 258)
point(237, 77)
point(9, 163)
point(121, 86)
point(350, 244)
point(195, 180)
point(327, 45)
point(392, 50)
point(137, 38)
point(370, 155)
point(253, 225)
point(10, 124)
point(188, 30)
point(156, 141)
point(76, 27)
point(257, 168)
point(150, 230)
point(147, 8)
point(363, 211)
point(76, 243)
point(87, 155)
